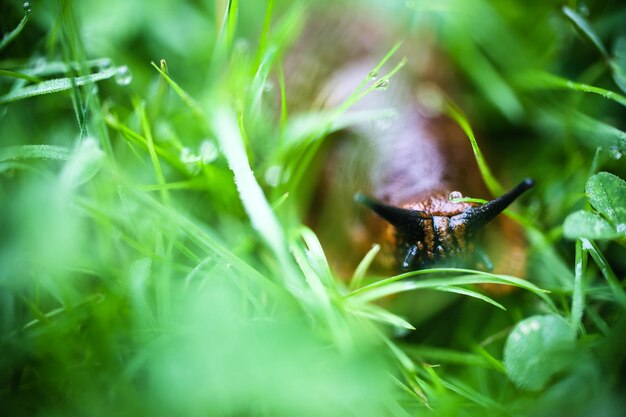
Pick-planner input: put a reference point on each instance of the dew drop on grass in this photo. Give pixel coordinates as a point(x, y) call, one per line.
point(27, 7)
point(455, 195)
point(208, 151)
point(615, 152)
point(272, 175)
point(188, 157)
point(372, 75)
point(242, 46)
point(583, 9)
point(123, 76)
point(268, 86)
point(381, 85)
point(104, 64)
point(384, 122)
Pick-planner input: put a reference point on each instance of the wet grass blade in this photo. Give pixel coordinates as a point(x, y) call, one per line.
point(56, 85)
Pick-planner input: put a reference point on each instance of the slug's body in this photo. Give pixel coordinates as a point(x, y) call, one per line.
point(404, 168)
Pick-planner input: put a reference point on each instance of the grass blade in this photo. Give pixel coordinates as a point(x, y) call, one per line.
point(56, 85)
point(10, 37)
point(585, 28)
point(363, 266)
point(544, 80)
point(16, 153)
point(457, 115)
point(578, 295)
point(618, 292)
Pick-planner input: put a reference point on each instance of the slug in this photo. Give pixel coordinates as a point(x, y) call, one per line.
point(401, 168)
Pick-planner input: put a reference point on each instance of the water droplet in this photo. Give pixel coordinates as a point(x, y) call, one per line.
point(583, 9)
point(242, 46)
point(123, 76)
point(208, 151)
point(27, 8)
point(385, 120)
point(430, 100)
point(455, 195)
point(615, 152)
point(381, 85)
point(373, 75)
point(272, 175)
point(383, 123)
point(188, 157)
point(268, 86)
point(104, 64)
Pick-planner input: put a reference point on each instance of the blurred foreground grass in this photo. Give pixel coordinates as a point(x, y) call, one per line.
point(154, 261)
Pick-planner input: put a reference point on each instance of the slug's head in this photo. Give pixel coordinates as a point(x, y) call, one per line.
point(439, 232)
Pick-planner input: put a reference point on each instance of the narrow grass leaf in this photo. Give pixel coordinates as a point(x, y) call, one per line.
point(395, 284)
point(484, 74)
point(585, 28)
point(474, 396)
point(457, 115)
point(17, 153)
point(300, 165)
point(252, 197)
point(317, 257)
point(361, 269)
point(470, 293)
point(578, 296)
point(546, 81)
point(56, 85)
point(590, 130)
point(618, 291)
point(156, 164)
point(436, 355)
point(141, 141)
point(618, 63)
point(373, 312)
point(187, 99)
point(10, 37)
point(233, 14)
point(265, 32)
point(493, 362)
point(19, 75)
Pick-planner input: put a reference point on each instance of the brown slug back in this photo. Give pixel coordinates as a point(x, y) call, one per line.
point(403, 170)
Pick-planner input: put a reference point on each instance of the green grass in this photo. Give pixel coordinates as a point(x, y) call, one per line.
point(155, 258)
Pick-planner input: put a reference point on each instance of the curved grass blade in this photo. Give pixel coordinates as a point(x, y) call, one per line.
point(470, 293)
point(361, 269)
point(10, 37)
point(490, 180)
point(373, 312)
point(585, 28)
point(397, 284)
